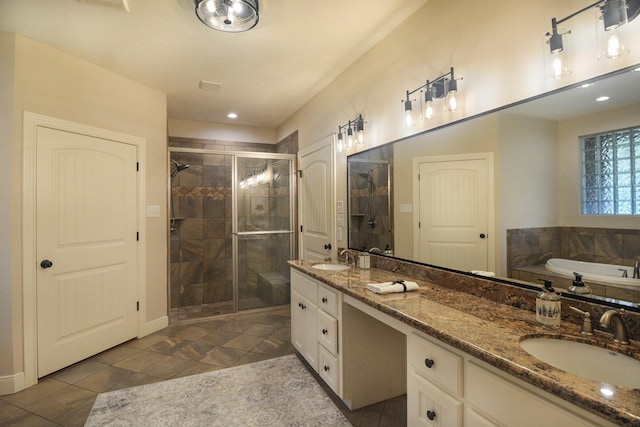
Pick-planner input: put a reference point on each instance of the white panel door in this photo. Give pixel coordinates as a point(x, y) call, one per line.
point(316, 203)
point(453, 215)
point(86, 246)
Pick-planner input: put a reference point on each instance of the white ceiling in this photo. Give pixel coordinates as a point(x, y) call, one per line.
point(267, 73)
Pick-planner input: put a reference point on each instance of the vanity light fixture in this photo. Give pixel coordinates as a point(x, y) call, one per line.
point(445, 86)
point(353, 126)
point(231, 16)
point(612, 14)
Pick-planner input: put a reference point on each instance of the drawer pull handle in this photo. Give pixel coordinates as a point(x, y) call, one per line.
point(429, 363)
point(326, 368)
point(324, 332)
point(431, 415)
point(324, 300)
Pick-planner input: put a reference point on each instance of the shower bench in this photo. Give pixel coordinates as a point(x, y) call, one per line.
point(273, 288)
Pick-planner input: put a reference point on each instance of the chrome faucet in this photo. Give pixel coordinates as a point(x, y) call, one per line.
point(636, 270)
point(621, 336)
point(347, 253)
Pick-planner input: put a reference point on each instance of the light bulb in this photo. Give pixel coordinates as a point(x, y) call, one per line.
point(408, 114)
point(360, 136)
point(615, 47)
point(428, 110)
point(558, 66)
point(340, 145)
point(349, 138)
point(451, 101)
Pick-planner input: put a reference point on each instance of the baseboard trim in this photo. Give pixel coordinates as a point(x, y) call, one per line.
point(11, 383)
point(154, 326)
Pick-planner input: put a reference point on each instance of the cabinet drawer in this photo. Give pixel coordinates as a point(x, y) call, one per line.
point(435, 363)
point(512, 405)
point(429, 406)
point(304, 286)
point(328, 300)
point(328, 368)
point(328, 332)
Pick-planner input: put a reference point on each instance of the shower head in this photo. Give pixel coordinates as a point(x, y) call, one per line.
point(179, 168)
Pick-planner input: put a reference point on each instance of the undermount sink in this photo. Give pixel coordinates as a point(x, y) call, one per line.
point(331, 267)
point(586, 360)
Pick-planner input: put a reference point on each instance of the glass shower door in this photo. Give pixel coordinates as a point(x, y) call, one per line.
point(264, 230)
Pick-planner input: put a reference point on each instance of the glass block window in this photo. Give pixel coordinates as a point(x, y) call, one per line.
point(611, 173)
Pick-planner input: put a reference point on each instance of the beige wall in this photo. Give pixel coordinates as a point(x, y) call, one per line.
point(8, 299)
point(220, 131)
point(53, 83)
point(497, 46)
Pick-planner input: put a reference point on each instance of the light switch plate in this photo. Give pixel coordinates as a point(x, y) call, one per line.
point(338, 233)
point(340, 220)
point(339, 206)
point(153, 211)
point(406, 207)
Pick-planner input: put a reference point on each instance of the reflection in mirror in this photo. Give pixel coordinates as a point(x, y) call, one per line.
point(370, 200)
point(537, 186)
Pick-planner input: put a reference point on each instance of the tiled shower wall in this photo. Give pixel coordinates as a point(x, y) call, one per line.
point(201, 263)
point(364, 234)
point(534, 246)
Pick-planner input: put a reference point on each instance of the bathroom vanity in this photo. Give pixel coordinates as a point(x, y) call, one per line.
point(457, 356)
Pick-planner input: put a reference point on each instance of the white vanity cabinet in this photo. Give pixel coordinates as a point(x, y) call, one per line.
point(447, 387)
point(315, 332)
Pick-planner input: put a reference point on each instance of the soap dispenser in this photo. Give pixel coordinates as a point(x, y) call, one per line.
point(578, 286)
point(548, 306)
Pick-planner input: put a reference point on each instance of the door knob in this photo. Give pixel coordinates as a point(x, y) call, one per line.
point(46, 263)
point(327, 246)
point(482, 235)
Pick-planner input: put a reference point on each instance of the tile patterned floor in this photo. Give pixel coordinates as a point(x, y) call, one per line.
point(65, 398)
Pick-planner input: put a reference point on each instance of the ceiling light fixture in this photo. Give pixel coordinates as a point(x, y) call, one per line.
point(232, 115)
point(356, 125)
point(445, 86)
point(612, 14)
point(231, 16)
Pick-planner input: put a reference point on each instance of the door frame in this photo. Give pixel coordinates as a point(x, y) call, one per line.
point(488, 158)
point(326, 141)
point(31, 122)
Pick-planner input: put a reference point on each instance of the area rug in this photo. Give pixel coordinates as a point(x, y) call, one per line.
point(275, 392)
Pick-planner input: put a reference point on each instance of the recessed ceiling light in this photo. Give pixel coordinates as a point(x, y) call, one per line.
point(232, 115)
point(602, 98)
point(586, 85)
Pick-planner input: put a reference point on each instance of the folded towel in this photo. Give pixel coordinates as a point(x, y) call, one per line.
point(392, 287)
point(483, 273)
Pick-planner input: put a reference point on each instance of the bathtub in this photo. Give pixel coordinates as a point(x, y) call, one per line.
point(608, 274)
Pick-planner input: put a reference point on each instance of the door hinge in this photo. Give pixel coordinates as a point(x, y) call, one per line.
point(137, 166)
point(137, 236)
point(300, 173)
point(137, 305)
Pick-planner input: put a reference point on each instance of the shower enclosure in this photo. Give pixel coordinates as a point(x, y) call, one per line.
point(231, 231)
point(370, 206)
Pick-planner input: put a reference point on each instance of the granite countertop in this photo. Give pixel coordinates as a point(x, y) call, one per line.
point(491, 332)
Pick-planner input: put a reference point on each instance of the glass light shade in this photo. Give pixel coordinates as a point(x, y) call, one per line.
point(609, 23)
point(429, 112)
point(231, 16)
point(612, 47)
point(556, 55)
point(340, 146)
point(360, 137)
point(408, 113)
point(349, 137)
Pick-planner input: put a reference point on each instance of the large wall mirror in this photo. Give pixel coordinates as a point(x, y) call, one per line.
point(502, 192)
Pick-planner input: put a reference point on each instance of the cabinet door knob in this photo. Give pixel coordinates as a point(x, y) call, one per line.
point(324, 332)
point(326, 368)
point(327, 246)
point(431, 415)
point(324, 300)
point(429, 363)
